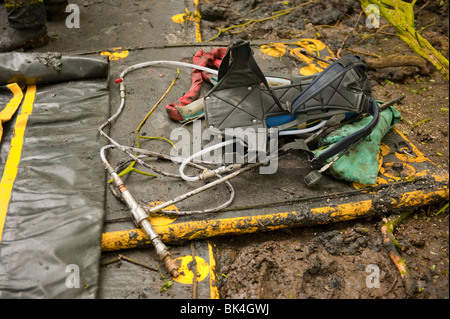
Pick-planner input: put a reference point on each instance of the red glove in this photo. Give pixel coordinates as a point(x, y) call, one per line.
point(210, 59)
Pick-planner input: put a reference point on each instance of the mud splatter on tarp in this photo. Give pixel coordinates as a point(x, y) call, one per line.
point(50, 59)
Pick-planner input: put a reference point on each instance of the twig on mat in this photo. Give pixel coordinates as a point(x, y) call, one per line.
point(194, 270)
point(131, 168)
point(137, 262)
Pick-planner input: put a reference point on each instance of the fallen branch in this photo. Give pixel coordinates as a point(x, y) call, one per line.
point(399, 60)
point(386, 104)
point(393, 248)
point(400, 14)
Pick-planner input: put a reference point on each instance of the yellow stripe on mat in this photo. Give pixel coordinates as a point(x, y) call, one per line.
point(213, 280)
point(15, 152)
point(12, 106)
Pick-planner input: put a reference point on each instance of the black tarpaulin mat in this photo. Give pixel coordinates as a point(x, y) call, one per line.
point(52, 220)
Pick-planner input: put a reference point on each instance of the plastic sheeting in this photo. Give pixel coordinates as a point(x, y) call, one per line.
point(50, 244)
point(360, 164)
point(51, 67)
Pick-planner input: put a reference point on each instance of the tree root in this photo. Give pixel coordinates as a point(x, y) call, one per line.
point(393, 248)
point(399, 60)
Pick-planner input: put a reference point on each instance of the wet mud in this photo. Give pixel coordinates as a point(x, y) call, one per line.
point(336, 261)
point(341, 260)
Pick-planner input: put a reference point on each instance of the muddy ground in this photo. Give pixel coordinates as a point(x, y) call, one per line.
point(334, 261)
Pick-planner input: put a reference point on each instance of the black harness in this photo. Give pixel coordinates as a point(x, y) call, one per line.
point(243, 97)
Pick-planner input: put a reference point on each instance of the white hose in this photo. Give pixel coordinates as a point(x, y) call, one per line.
point(193, 66)
point(230, 141)
point(303, 131)
point(204, 151)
